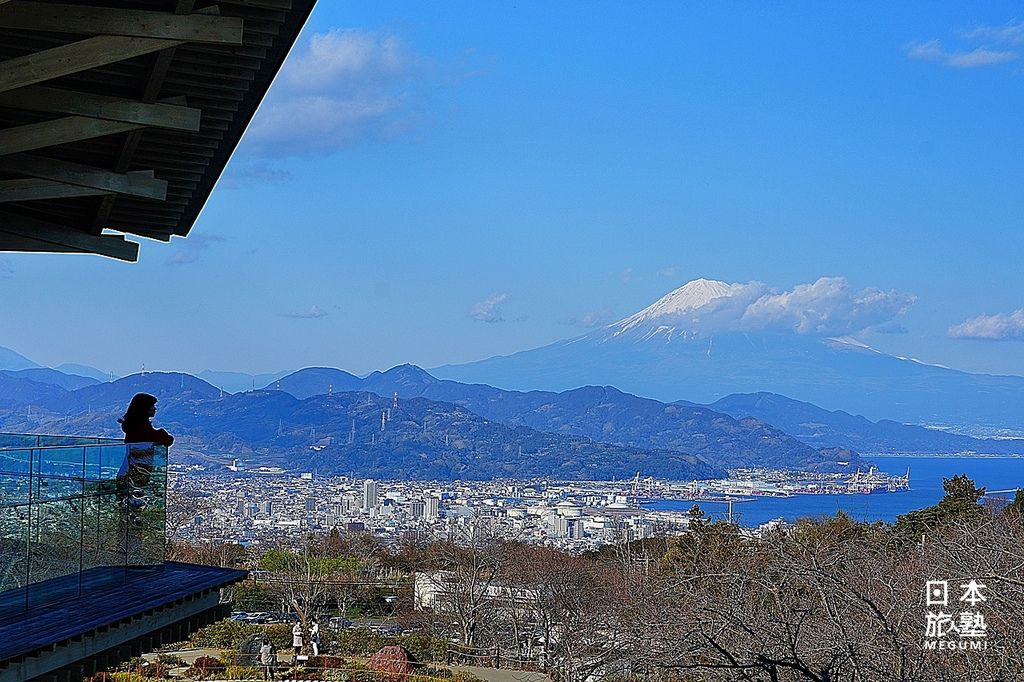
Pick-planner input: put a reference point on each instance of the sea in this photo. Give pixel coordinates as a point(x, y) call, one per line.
point(926, 473)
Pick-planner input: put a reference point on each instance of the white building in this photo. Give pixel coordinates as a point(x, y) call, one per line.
point(369, 494)
point(431, 507)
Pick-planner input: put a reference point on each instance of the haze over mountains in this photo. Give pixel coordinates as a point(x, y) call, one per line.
point(587, 433)
point(709, 339)
point(336, 422)
point(689, 348)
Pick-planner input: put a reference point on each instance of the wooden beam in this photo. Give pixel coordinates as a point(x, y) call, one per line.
point(88, 20)
point(58, 131)
point(33, 189)
point(64, 237)
point(139, 184)
point(262, 4)
point(150, 92)
point(57, 101)
point(14, 243)
point(74, 57)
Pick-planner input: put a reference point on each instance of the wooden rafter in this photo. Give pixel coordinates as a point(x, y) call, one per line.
point(51, 236)
point(150, 91)
point(34, 189)
point(88, 20)
point(57, 101)
point(58, 131)
point(75, 57)
point(139, 184)
point(86, 83)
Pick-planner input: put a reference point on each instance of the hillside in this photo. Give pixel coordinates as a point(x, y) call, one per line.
point(834, 428)
point(343, 433)
point(602, 414)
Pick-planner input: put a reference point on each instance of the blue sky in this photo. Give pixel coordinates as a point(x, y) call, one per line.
point(445, 182)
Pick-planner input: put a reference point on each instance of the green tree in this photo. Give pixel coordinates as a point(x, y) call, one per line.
point(961, 501)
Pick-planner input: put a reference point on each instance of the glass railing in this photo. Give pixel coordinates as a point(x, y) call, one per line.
point(76, 514)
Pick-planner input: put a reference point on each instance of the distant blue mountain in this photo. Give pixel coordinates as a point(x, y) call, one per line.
point(835, 428)
point(234, 382)
point(45, 375)
point(84, 371)
point(14, 361)
point(653, 353)
point(17, 392)
point(600, 413)
point(355, 433)
point(117, 394)
point(316, 381)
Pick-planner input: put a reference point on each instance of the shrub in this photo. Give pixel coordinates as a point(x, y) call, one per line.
point(131, 665)
point(335, 675)
point(438, 672)
point(231, 634)
point(224, 634)
point(240, 672)
point(465, 676)
point(171, 660)
point(205, 666)
point(320, 662)
point(156, 671)
point(423, 647)
point(364, 642)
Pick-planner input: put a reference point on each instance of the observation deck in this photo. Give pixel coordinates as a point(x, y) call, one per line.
point(83, 580)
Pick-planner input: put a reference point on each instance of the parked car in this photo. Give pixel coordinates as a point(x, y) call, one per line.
point(339, 623)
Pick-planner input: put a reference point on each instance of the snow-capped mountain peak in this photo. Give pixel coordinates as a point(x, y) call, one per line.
point(664, 314)
point(692, 295)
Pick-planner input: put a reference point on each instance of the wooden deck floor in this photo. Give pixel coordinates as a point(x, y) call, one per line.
point(145, 589)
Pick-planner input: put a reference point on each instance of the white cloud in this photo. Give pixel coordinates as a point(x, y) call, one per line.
point(489, 309)
point(190, 249)
point(828, 306)
point(597, 318)
point(627, 275)
point(594, 318)
point(932, 51)
point(998, 327)
point(340, 88)
point(253, 174)
point(314, 313)
point(343, 55)
point(980, 57)
point(1009, 34)
point(670, 272)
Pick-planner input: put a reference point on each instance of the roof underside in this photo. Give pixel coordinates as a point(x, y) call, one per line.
point(118, 116)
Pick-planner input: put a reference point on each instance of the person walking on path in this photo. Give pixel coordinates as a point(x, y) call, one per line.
point(297, 640)
point(314, 637)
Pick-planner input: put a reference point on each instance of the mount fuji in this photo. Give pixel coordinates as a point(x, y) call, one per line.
point(708, 339)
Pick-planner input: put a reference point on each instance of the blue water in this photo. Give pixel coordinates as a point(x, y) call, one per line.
point(926, 474)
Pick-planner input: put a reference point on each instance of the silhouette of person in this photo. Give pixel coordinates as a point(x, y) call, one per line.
point(137, 428)
point(136, 422)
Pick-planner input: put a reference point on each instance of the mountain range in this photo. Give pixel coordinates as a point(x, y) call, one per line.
point(698, 343)
point(357, 433)
point(599, 413)
point(645, 393)
point(610, 431)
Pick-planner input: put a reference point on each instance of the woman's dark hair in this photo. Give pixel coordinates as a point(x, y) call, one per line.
point(138, 411)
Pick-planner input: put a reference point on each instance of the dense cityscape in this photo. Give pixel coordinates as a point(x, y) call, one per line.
point(269, 505)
